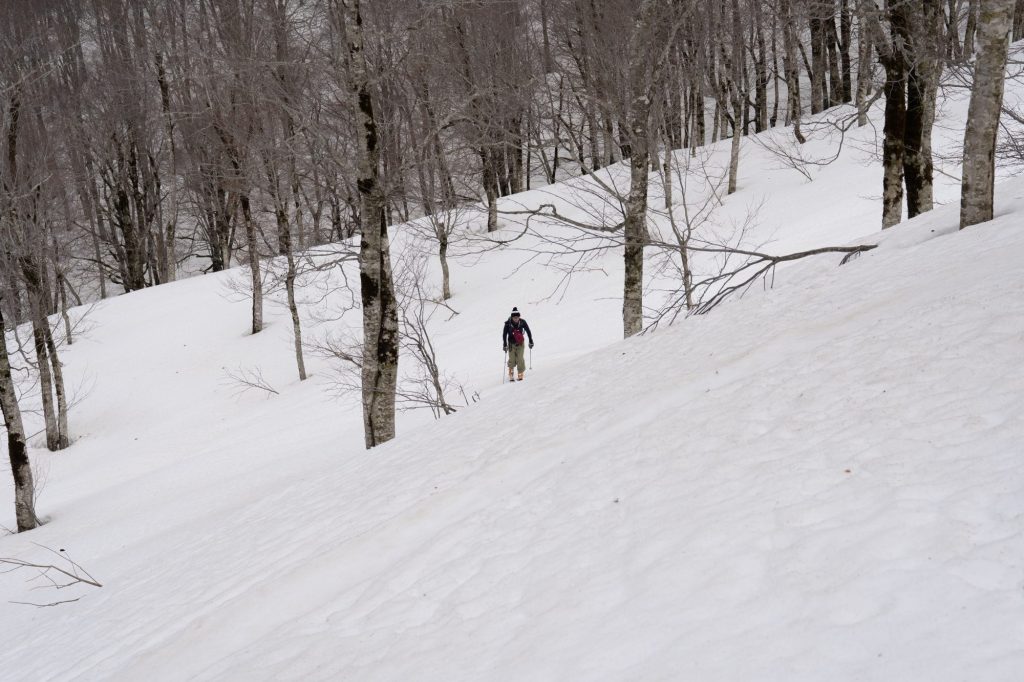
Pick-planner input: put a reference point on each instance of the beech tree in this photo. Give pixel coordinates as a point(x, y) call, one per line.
point(379, 304)
point(995, 20)
point(911, 54)
point(17, 441)
point(650, 42)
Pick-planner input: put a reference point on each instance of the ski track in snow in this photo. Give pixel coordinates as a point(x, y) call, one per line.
point(820, 481)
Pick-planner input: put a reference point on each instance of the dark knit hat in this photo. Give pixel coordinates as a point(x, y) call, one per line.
point(515, 311)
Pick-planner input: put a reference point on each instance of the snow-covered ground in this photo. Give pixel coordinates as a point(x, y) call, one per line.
point(818, 481)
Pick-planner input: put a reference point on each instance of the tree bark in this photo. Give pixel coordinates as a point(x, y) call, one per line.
point(45, 384)
point(739, 95)
point(254, 265)
point(819, 57)
point(446, 287)
point(893, 149)
point(865, 65)
point(380, 309)
point(635, 226)
point(892, 55)
point(924, 37)
point(63, 437)
point(977, 187)
point(846, 38)
point(17, 443)
point(971, 30)
point(792, 68)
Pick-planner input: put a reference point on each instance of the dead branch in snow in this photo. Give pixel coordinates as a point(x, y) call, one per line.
point(57, 576)
point(246, 379)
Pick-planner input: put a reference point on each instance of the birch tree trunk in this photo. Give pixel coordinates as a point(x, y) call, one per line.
point(992, 40)
point(17, 444)
point(63, 439)
point(739, 95)
point(254, 265)
point(380, 308)
point(45, 384)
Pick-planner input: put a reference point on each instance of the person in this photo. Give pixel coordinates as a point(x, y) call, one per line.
point(512, 342)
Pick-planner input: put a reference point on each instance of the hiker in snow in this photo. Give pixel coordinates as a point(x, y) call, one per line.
point(512, 343)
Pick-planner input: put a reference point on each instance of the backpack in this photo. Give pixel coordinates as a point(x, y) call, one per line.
point(516, 333)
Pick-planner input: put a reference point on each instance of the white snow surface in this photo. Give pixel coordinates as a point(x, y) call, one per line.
point(821, 481)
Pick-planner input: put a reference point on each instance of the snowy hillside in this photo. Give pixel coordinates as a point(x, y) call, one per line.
point(818, 481)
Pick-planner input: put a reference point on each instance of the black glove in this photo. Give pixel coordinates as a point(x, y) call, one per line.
point(504, 348)
point(531, 344)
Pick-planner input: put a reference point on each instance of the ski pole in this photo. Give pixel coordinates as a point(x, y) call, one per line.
point(504, 362)
point(531, 356)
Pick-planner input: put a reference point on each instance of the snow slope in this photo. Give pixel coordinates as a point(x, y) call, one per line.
point(819, 481)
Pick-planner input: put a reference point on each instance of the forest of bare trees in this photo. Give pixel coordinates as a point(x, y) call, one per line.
point(142, 141)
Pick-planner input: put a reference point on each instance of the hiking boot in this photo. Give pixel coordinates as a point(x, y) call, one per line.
point(511, 375)
point(520, 376)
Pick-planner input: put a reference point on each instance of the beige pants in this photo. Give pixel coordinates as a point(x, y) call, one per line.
point(517, 357)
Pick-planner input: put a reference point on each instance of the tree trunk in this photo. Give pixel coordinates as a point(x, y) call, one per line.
point(977, 187)
point(63, 437)
point(894, 131)
point(865, 65)
point(380, 309)
point(893, 56)
point(636, 222)
point(446, 288)
point(490, 180)
point(254, 265)
point(819, 88)
point(293, 308)
point(792, 68)
point(17, 442)
point(739, 96)
point(922, 89)
point(846, 38)
point(971, 29)
point(835, 80)
point(284, 232)
point(760, 72)
point(45, 383)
